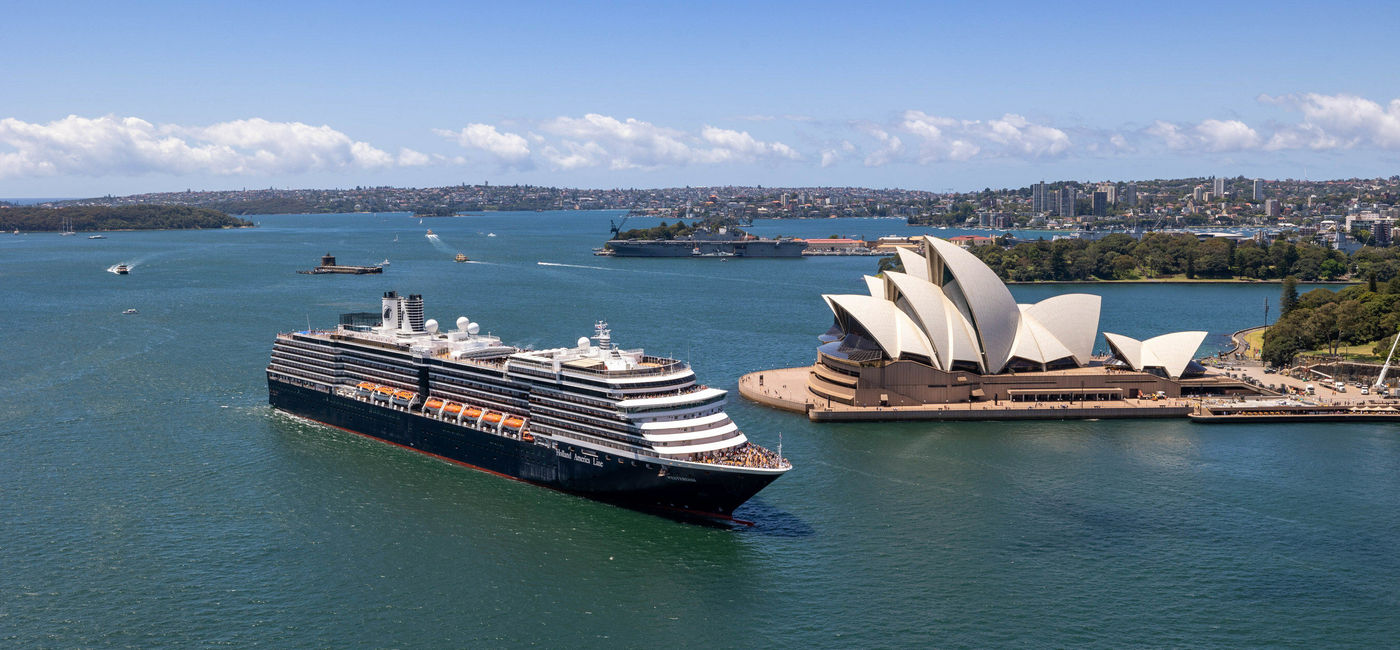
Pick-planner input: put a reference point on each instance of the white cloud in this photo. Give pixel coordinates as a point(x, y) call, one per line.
point(739, 145)
point(940, 138)
point(1226, 135)
point(128, 145)
point(603, 141)
point(890, 148)
point(508, 148)
point(1338, 121)
point(1329, 122)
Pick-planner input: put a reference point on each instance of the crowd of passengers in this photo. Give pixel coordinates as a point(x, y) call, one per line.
point(744, 455)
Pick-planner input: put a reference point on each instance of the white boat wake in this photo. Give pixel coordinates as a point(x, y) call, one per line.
point(578, 266)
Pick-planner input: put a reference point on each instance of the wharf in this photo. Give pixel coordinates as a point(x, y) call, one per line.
point(786, 389)
point(1264, 412)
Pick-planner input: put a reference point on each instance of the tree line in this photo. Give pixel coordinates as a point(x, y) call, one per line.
point(1322, 319)
point(125, 217)
point(1169, 255)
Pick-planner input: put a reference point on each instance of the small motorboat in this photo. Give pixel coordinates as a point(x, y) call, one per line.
point(89, 236)
point(461, 257)
point(385, 262)
point(130, 311)
point(121, 269)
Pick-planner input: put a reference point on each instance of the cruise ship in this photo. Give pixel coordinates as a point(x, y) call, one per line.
point(616, 425)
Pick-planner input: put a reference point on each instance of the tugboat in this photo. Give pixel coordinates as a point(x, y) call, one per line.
point(461, 257)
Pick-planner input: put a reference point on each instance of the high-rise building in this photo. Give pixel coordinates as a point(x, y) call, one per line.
point(1199, 194)
point(1217, 186)
point(1066, 202)
point(1038, 202)
point(1380, 232)
point(1258, 189)
point(1110, 190)
point(1272, 208)
point(1100, 204)
point(1130, 195)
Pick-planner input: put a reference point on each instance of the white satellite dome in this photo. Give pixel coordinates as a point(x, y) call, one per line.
point(431, 325)
point(473, 328)
point(462, 322)
point(583, 342)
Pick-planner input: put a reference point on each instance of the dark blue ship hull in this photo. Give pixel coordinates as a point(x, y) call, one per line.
point(579, 470)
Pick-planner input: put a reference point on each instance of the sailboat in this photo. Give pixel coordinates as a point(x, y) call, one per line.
point(68, 227)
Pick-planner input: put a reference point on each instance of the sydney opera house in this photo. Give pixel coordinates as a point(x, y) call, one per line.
point(947, 330)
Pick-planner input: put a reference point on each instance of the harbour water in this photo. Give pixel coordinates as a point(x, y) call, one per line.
point(150, 497)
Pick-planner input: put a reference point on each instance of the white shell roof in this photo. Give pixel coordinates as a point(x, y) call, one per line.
point(894, 331)
point(1034, 342)
point(1171, 352)
point(950, 308)
point(1072, 318)
point(876, 286)
point(994, 311)
point(914, 263)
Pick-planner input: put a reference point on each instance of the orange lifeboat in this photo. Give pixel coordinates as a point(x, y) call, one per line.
point(365, 385)
point(403, 394)
point(433, 403)
point(384, 390)
point(473, 413)
point(493, 417)
point(514, 422)
point(528, 438)
point(454, 408)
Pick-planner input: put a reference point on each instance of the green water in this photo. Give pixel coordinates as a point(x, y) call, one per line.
point(148, 497)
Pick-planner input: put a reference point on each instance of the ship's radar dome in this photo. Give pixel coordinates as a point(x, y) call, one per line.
point(431, 325)
point(473, 328)
point(462, 323)
point(583, 342)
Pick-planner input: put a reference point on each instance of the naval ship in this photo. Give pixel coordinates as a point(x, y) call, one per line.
point(592, 419)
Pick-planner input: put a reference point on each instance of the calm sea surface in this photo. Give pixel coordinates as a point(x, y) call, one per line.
point(148, 496)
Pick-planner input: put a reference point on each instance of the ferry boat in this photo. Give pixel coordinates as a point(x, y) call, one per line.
point(461, 257)
point(615, 425)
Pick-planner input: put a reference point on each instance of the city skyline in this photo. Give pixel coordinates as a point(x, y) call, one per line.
point(163, 97)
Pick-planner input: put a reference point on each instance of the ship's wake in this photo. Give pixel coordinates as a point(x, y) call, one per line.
point(578, 266)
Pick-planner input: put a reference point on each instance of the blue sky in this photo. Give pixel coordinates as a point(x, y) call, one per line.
point(99, 98)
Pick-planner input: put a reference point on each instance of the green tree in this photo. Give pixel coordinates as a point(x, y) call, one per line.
point(1289, 299)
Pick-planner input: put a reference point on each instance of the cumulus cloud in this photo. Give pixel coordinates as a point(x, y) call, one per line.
point(129, 145)
point(1209, 135)
point(1328, 122)
point(1337, 121)
point(925, 138)
point(595, 140)
point(508, 148)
